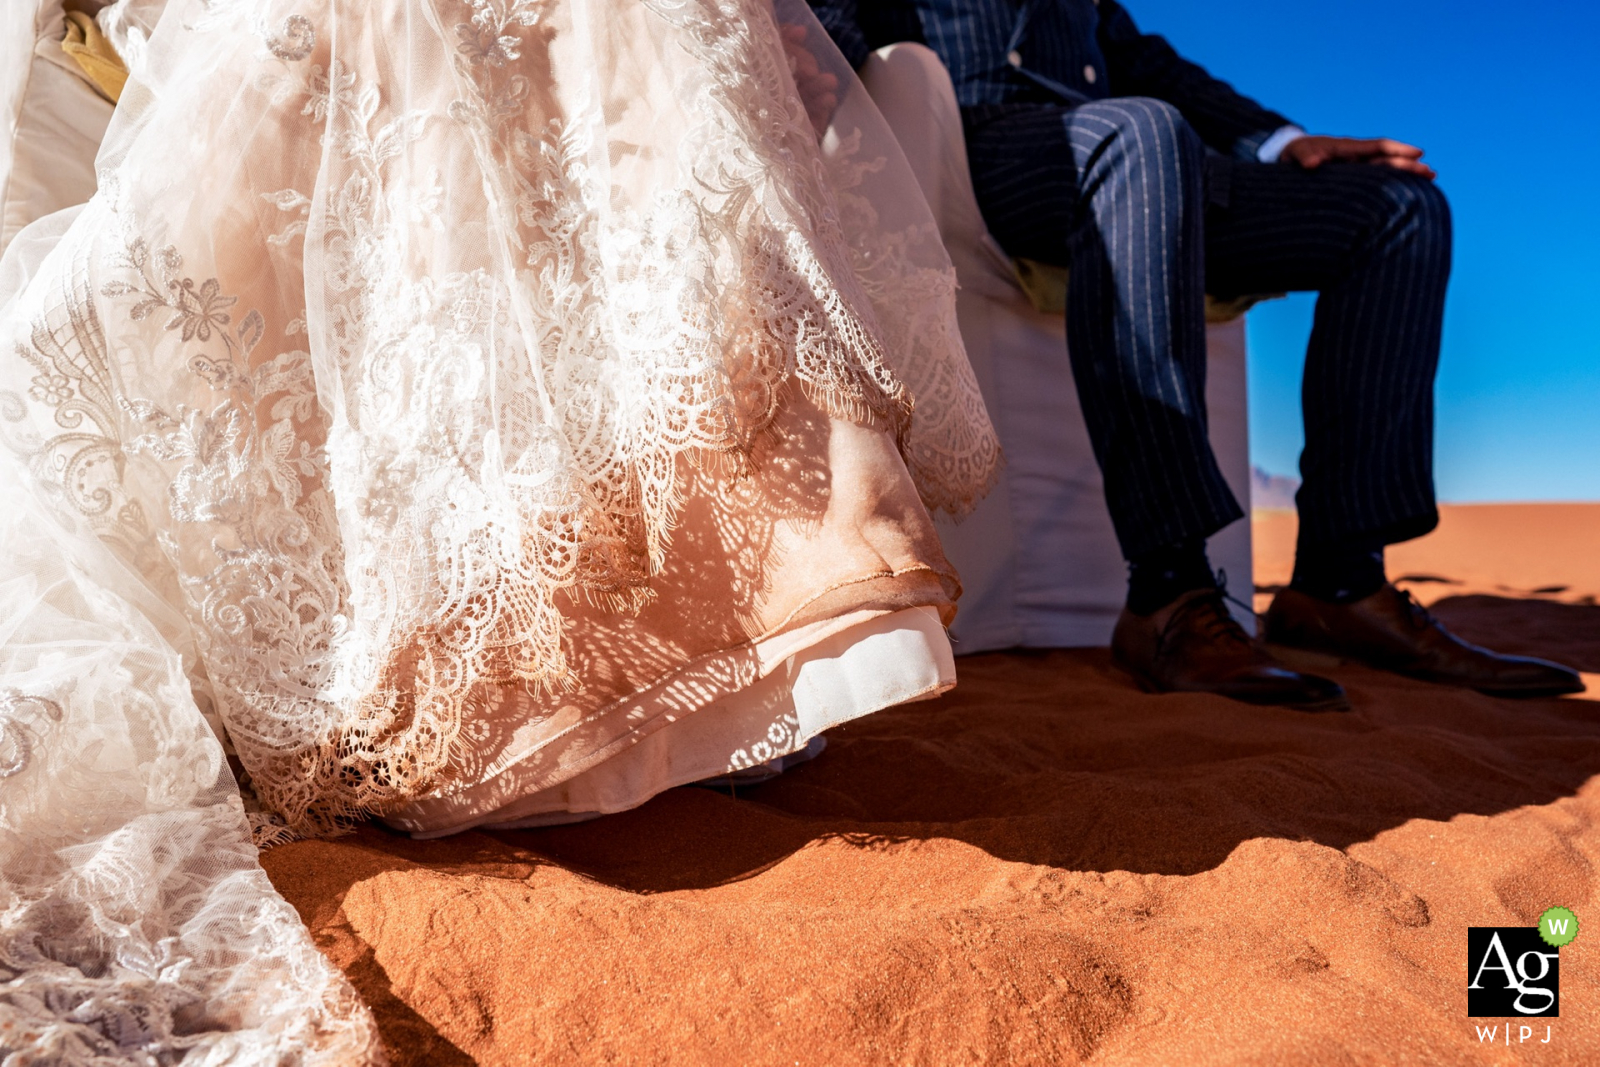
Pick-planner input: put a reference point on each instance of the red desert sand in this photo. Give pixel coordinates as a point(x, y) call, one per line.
point(1045, 866)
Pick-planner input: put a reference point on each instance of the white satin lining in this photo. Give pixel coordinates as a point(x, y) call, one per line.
point(889, 659)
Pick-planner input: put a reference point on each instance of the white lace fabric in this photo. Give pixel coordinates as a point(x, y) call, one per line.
point(427, 380)
point(398, 334)
point(136, 925)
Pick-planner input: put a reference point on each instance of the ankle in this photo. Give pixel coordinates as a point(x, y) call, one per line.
point(1156, 579)
point(1339, 574)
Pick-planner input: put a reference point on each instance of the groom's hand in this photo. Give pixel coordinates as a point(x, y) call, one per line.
point(819, 90)
point(1312, 152)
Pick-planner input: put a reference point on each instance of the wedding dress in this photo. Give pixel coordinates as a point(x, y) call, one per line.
point(455, 412)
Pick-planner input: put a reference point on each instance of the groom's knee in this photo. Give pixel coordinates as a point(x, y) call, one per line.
point(1140, 131)
point(1417, 213)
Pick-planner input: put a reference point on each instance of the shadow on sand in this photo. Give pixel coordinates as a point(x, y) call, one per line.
point(1053, 758)
point(1046, 758)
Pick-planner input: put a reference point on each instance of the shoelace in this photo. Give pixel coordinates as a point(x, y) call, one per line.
point(1222, 587)
point(1421, 617)
point(1216, 622)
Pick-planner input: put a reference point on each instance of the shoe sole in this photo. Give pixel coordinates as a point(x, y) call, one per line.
point(1306, 655)
point(1332, 704)
point(1530, 694)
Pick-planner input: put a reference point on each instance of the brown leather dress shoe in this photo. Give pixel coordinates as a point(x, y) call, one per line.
point(1194, 645)
point(1390, 630)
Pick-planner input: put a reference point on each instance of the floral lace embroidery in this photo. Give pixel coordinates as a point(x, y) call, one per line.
point(368, 534)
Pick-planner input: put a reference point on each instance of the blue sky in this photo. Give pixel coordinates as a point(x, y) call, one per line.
point(1505, 98)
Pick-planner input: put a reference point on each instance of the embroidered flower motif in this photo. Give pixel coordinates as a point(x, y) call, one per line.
point(485, 40)
point(487, 47)
point(197, 312)
point(50, 388)
point(327, 90)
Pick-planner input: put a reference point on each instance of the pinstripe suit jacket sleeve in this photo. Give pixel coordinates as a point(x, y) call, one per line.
point(971, 35)
point(1144, 64)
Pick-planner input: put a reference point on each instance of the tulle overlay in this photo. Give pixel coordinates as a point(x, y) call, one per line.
point(463, 362)
point(135, 924)
point(453, 411)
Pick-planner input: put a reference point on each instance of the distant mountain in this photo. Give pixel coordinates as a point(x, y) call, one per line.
point(1271, 492)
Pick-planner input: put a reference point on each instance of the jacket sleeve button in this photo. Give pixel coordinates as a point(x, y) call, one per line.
point(1014, 58)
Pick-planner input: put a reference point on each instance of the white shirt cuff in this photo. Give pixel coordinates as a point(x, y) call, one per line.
point(1273, 146)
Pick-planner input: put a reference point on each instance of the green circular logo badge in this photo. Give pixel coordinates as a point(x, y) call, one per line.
point(1558, 926)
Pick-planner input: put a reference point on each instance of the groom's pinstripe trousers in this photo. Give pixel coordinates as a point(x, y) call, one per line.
point(1123, 192)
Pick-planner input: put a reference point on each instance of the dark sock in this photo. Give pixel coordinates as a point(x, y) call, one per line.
point(1341, 574)
point(1157, 578)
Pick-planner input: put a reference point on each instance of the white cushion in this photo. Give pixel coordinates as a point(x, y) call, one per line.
point(51, 119)
point(1039, 561)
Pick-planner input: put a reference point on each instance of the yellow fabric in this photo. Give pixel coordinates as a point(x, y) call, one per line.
point(89, 49)
point(1045, 284)
point(1046, 287)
